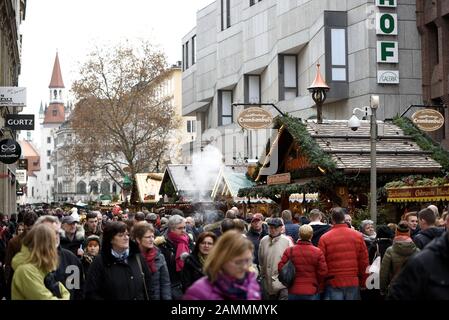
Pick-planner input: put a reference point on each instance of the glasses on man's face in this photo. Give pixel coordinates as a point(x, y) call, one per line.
point(242, 263)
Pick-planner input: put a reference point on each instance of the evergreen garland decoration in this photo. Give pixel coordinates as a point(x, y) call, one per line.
point(424, 141)
point(309, 147)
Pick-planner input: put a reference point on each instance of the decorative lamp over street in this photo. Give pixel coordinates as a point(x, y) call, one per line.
point(318, 90)
point(127, 183)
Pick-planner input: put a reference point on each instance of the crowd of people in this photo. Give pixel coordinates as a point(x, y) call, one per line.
point(144, 255)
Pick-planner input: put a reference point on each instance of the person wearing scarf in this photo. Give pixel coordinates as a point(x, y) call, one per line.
point(143, 234)
point(227, 269)
point(368, 232)
point(181, 242)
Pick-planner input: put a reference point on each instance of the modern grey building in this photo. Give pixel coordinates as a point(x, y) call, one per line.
point(266, 51)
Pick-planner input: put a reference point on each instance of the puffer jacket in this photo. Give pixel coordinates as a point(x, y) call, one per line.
point(271, 251)
point(28, 280)
point(424, 237)
point(394, 259)
point(310, 265)
point(203, 289)
point(425, 276)
point(160, 280)
point(346, 257)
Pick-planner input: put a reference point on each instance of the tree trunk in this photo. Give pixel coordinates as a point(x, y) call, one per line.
point(134, 194)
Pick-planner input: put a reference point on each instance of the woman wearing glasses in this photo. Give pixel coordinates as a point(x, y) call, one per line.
point(119, 272)
point(227, 270)
point(143, 234)
point(193, 265)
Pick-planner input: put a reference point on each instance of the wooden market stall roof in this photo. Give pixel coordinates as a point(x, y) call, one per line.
point(349, 150)
point(230, 180)
point(148, 185)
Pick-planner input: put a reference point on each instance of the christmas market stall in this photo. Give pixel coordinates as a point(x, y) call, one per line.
point(148, 185)
point(229, 181)
point(332, 160)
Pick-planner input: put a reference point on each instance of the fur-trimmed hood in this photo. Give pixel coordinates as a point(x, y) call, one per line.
point(79, 234)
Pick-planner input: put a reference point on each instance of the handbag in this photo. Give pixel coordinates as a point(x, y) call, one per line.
point(143, 276)
point(375, 266)
point(287, 274)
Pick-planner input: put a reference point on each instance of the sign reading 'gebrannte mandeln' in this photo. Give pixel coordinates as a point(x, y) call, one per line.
point(255, 118)
point(387, 50)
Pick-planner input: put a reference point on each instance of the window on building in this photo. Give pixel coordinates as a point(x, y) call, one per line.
point(48, 165)
point(193, 50)
point(81, 187)
point(288, 76)
point(48, 177)
point(225, 107)
point(252, 88)
point(105, 187)
point(93, 187)
point(253, 2)
point(191, 126)
point(338, 54)
point(186, 59)
point(48, 139)
point(32, 191)
point(55, 113)
point(114, 188)
point(48, 153)
point(225, 14)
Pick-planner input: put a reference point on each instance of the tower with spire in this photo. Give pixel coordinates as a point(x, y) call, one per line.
point(55, 113)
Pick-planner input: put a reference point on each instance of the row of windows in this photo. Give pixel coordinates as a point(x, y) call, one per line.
point(81, 187)
point(226, 6)
point(189, 53)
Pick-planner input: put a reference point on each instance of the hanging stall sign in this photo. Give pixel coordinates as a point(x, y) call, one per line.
point(284, 178)
point(428, 120)
point(20, 121)
point(255, 118)
point(10, 151)
point(418, 194)
point(13, 96)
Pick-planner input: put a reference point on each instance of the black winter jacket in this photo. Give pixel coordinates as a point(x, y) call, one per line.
point(192, 271)
point(424, 237)
point(70, 273)
point(318, 231)
point(425, 276)
point(110, 279)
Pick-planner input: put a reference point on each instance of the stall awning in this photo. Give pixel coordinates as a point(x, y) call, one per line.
point(418, 194)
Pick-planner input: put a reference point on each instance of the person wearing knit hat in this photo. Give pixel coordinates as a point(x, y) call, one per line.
point(92, 246)
point(396, 256)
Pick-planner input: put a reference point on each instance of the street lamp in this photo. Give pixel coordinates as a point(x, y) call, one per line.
point(318, 90)
point(354, 124)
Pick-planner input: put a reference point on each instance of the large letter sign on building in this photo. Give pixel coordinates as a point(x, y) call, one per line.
point(387, 51)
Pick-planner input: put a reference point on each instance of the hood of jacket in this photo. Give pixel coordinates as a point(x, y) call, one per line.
point(20, 258)
point(404, 248)
point(79, 234)
point(432, 232)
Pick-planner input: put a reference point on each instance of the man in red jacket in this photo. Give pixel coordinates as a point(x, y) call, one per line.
point(346, 258)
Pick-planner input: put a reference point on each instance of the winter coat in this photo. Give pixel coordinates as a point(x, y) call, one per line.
point(393, 260)
point(255, 238)
point(424, 237)
point(168, 250)
point(70, 273)
point(192, 271)
point(310, 265)
point(203, 289)
point(292, 230)
point(346, 256)
point(111, 279)
point(271, 251)
point(76, 243)
point(380, 243)
point(14, 246)
point(425, 276)
point(318, 231)
point(160, 280)
point(28, 280)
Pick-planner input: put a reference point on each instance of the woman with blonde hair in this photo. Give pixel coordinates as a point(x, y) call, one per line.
point(227, 269)
point(34, 265)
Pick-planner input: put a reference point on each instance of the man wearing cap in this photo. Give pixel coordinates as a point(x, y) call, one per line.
point(72, 235)
point(256, 232)
point(396, 256)
point(271, 249)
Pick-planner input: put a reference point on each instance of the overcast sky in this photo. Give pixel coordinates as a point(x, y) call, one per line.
point(73, 27)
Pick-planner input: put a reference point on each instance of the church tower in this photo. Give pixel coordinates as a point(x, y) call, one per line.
point(55, 113)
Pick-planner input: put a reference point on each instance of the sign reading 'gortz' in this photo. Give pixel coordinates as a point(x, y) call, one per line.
point(387, 50)
point(20, 121)
point(255, 118)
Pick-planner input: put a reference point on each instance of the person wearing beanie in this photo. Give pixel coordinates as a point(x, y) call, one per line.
point(396, 256)
point(92, 246)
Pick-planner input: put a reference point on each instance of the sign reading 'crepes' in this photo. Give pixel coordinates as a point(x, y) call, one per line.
point(428, 120)
point(255, 118)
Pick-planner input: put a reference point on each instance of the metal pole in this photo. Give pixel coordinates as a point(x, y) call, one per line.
point(319, 112)
point(373, 187)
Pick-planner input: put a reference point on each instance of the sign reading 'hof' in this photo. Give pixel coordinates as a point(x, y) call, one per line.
point(255, 118)
point(428, 120)
point(10, 151)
